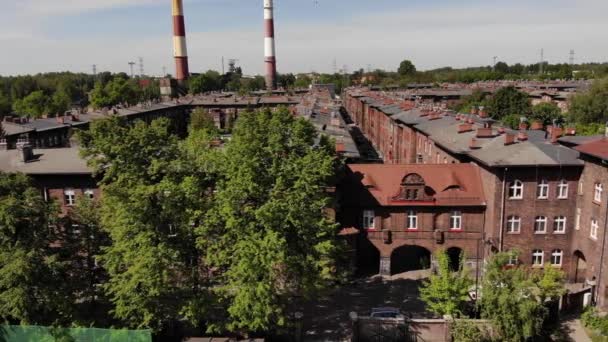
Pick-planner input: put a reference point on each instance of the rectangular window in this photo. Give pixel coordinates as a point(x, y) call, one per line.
point(69, 197)
point(580, 187)
point(542, 192)
point(456, 220)
point(577, 223)
point(562, 190)
point(516, 190)
point(594, 228)
point(411, 221)
point(369, 219)
point(559, 225)
point(556, 257)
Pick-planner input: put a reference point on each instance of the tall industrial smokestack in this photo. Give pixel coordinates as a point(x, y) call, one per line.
point(269, 51)
point(179, 41)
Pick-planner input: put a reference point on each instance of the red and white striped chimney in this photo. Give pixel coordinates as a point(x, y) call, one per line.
point(269, 51)
point(179, 41)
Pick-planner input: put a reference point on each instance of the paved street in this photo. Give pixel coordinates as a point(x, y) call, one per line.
point(327, 318)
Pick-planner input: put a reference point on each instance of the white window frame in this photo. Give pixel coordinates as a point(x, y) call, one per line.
point(559, 222)
point(538, 255)
point(89, 193)
point(580, 187)
point(411, 220)
point(369, 219)
point(513, 259)
point(595, 225)
point(516, 189)
point(557, 254)
point(69, 196)
point(542, 190)
point(597, 194)
point(538, 221)
point(512, 222)
point(577, 220)
point(456, 220)
point(562, 189)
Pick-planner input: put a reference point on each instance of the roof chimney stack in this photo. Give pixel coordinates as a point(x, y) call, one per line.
point(269, 49)
point(26, 153)
point(179, 42)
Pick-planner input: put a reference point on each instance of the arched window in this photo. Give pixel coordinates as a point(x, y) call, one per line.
point(513, 224)
point(516, 190)
point(556, 257)
point(597, 196)
point(537, 257)
point(562, 189)
point(559, 225)
point(542, 191)
point(540, 225)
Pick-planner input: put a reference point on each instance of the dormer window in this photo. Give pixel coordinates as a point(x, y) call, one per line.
point(412, 188)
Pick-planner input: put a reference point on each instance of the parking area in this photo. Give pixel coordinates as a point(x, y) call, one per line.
point(327, 318)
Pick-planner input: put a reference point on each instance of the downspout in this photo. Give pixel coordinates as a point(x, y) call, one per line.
point(599, 280)
point(502, 210)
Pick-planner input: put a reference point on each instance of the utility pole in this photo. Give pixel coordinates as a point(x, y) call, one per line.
point(131, 64)
point(164, 71)
point(94, 70)
point(335, 66)
point(223, 71)
point(495, 58)
point(141, 66)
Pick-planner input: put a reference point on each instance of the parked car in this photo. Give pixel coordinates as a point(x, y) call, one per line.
point(387, 312)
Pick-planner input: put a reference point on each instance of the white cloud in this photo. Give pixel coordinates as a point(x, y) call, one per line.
point(457, 35)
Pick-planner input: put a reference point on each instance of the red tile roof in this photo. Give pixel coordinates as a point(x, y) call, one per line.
point(449, 184)
point(597, 148)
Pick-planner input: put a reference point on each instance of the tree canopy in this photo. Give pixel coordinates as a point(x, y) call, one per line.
point(267, 229)
point(29, 286)
point(406, 68)
point(591, 106)
point(446, 292)
point(509, 101)
point(514, 297)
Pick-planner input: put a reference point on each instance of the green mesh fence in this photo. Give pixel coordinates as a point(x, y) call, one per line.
point(20, 333)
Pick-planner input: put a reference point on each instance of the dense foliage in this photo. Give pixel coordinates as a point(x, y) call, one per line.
point(267, 230)
point(592, 320)
point(514, 297)
point(591, 106)
point(447, 292)
point(223, 239)
point(30, 290)
point(54, 93)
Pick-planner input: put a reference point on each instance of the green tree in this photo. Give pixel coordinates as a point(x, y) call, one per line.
point(34, 105)
point(302, 81)
point(152, 198)
point(546, 113)
point(509, 101)
point(83, 240)
point(200, 119)
point(268, 231)
point(5, 104)
point(99, 96)
point(59, 103)
point(28, 264)
point(209, 81)
point(513, 298)
point(406, 68)
point(468, 331)
point(591, 106)
point(512, 121)
point(447, 292)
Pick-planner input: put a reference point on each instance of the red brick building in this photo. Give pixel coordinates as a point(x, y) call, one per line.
point(406, 212)
point(529, 180)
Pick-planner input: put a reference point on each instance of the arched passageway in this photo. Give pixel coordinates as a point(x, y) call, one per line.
point(410, 258)
point(454, 256)
point(580, 267)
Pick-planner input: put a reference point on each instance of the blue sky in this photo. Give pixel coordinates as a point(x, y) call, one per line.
point(54, 35)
